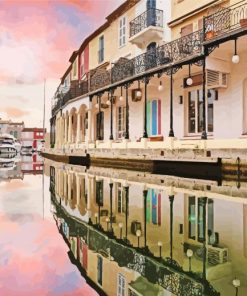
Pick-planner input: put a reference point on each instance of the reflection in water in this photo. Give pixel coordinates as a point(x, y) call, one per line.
point(132, 233)
point(33, 257)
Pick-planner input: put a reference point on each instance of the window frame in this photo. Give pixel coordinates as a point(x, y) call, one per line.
point(122, 36)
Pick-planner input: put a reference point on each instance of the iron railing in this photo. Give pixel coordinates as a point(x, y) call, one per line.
point(226, 20)
point(172, 52)
point(151, 17)
point(79, 89)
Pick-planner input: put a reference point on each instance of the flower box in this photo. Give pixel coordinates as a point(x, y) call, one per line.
point(243, 22)
point(210, 34)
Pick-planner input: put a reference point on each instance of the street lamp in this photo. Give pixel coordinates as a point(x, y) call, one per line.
point(235, 57)
point(107, 220)
point(96, 218)
point(236, 284)
point(189, 254)
point(120, 225)
point(160, 244)
point(138, 234)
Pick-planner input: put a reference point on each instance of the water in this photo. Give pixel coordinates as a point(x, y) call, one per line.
point(33, 256)
point(71, 237)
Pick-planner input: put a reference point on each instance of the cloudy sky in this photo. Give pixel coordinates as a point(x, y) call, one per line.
point(37, 38)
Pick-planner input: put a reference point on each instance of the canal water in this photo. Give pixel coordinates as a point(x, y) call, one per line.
point(72, 230)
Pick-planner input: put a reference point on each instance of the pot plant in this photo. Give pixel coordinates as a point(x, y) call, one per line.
point(210, 33)
point(243, 22)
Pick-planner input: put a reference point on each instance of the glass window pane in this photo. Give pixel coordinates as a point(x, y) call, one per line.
point(192, 110)
point(200, 111)
point(211, 94)
point(192, 217)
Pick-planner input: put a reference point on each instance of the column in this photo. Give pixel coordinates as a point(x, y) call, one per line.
point(89, 131)
point(145, 134)
point(70, 130)
point(111, 119)
point(77, 190)
point(69, 186)
point(66, 130)
point(204, 133)
point(171, 132)
point(127, 114)
point(111, 187)
point(78, 130)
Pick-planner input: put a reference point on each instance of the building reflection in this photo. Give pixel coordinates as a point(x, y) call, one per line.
point(161, 235)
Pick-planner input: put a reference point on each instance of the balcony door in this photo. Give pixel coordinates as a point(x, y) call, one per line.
point(195, 111)
point(100, 125)
point(151, 13)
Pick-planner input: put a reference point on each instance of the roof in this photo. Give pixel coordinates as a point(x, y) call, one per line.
point(109, 19)
point(33, 129)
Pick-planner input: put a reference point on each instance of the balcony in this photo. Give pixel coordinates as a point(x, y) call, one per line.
point(147, 27)
point(176, 52)
point(226, 22)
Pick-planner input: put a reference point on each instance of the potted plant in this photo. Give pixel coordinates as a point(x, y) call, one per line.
point(243, 22)
point(210, 33)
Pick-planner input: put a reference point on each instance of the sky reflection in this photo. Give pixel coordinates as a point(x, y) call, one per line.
point(33, 255)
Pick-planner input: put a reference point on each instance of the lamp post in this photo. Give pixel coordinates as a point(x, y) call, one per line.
point(96, 218)
point(189, 254)
point(145, 192)
point(138, 234)
point(171, 199)
point(120, 225)
point(111, 187)
point(160, 244)
point(107, 220)
point(126, 188)
point(236, 284)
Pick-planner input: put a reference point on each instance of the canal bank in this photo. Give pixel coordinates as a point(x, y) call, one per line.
point(193, 166)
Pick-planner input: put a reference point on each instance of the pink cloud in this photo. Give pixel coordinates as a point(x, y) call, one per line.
point(33, 261)
point(14, 112)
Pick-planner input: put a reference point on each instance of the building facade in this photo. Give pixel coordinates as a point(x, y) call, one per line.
point(158, 74)
point(12, 128)
point(32, 138)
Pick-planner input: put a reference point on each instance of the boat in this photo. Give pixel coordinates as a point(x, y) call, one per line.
point(8, 144)
point(7, 164)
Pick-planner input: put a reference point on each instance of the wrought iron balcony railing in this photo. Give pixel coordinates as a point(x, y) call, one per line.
point(171, 52)
point(226, 20)
point(151, 17)
point(175, 51)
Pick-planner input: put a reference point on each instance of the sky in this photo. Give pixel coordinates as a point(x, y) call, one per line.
point(37, 38)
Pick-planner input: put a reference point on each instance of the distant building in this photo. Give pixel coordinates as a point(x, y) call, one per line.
point(32, 137)
point(12, 128)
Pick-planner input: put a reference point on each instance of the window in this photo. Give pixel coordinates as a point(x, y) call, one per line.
point(192, 217)
point(99, 270)
point(75, 68)
point(186, 30)
point(82, 64)
point(99, 192)
point(195, 110)
point(101, 49)
point(154, 117)
point(121, 285)
point(121, 111)
point(122, 31)
point(153, 209)
point(121, 203)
